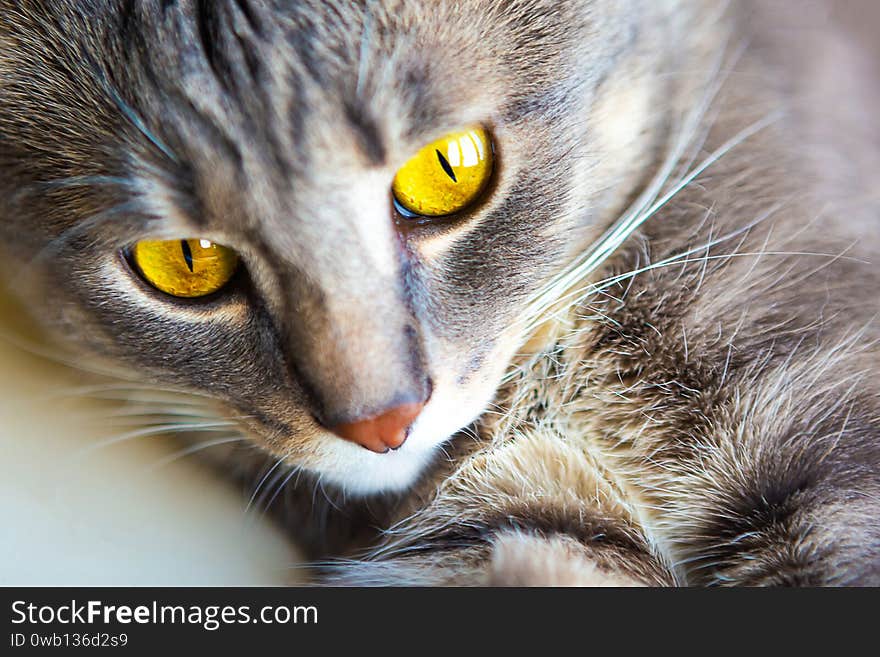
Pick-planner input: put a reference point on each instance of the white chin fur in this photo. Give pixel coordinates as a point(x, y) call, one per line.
point(358, 471)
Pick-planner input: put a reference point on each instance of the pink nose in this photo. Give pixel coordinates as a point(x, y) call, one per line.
point(381, 432)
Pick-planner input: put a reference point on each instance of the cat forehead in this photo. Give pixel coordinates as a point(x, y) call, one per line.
point(220, 70)
point(271, 85)
point(422, 60)
point(307, 88)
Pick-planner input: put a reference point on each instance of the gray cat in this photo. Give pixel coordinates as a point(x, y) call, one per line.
point(537, 291)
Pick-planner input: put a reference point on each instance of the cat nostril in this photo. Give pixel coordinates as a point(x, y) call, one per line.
point(383, 432)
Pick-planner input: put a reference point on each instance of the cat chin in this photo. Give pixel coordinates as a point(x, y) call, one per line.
point(360, 472)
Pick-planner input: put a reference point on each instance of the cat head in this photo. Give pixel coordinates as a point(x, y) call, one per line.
point(359, 298)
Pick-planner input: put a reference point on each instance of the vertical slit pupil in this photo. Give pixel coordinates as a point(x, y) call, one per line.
point(187, 254)
point(446, 166)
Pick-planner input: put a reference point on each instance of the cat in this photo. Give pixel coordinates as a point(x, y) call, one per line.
point(650, 328)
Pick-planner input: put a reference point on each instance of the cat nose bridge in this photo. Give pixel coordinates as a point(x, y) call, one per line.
point(360, 361)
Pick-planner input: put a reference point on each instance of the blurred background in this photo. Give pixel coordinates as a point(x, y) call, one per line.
point(83, 503)
point(80, 505)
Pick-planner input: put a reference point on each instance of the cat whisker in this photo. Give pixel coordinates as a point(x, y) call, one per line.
point(136, 393)
point(267, 492)
point(156, 413)
point(589, 289)
point(689, 126)
point(279, 488)
point(263, 481)
point(727, 256)
point(133, 116)
point(624, 228)
point(135, 404)
point(364, 63)
point(158, 430)
point(41, 187)
point(165, 418)
point(194, 449)
point(319, 484)
point(647, 204)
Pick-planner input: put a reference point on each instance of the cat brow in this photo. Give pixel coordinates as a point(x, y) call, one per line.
point(367, 129)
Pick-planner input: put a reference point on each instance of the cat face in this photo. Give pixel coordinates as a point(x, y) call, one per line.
point(276, 129)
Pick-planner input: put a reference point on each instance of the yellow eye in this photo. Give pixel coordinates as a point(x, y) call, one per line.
point(185, 268)
point(447, 176)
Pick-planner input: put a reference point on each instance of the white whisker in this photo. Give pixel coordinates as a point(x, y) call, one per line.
point(627, 225)
point(158, 430)
point(193, 449)
point(263, 481)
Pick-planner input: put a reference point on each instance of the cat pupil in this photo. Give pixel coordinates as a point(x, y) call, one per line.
point(446, 166)
point(187, 254)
